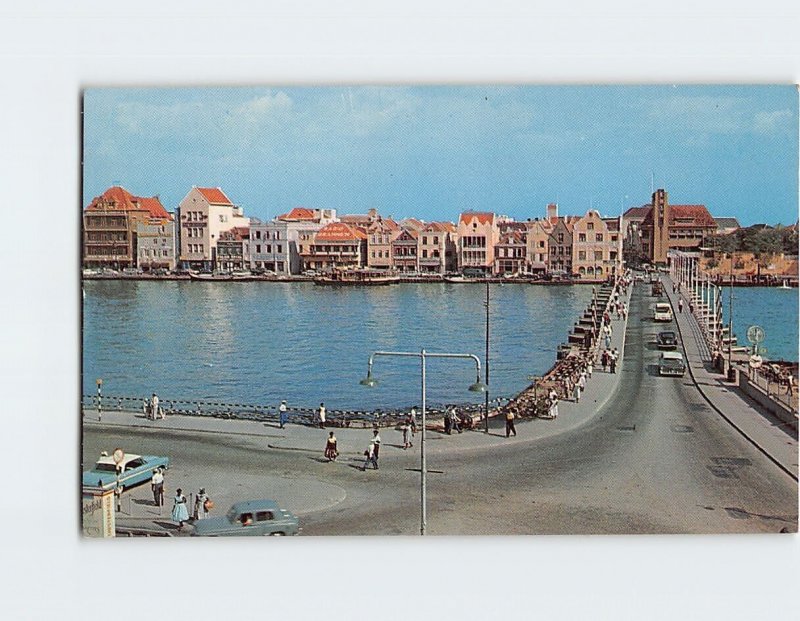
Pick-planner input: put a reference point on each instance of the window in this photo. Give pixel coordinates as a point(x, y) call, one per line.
point(598, 255)
point(581, 237)
point(269, 248)
point(590, 226)
point(613, 238)
point(280, 248)
point(541, 243)
point(581, 255)
point(424, 240)
point(598, 237)
point(561, 238)
point(163, 253)
point(424, 253)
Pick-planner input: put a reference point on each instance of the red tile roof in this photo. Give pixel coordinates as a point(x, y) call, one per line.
point(298, 213)
point(118, 198)
point(483, 217)
point(637, 212)
point(340, 231)
point(215, 196)
point(441, 227)
point(697, 213)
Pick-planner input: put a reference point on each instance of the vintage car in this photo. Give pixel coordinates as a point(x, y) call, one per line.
point(249, 518)
point(671, 363)
point(667, 340)
point(133, 470)
point(662, 312)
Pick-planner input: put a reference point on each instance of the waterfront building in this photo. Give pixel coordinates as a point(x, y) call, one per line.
point(204, 214)
point(594, 246)
point(298, 228)
point(155, 243)
point(560, 245)
point(437, 248)
point(337, 245)
point(679, 227)
point(511, 249)
point(271, 249)
point(380, 235)
point(478, 232)
point(405, 247)
point(632, 235)
point(537, 254)
point(111, 226)
point(233, 250)
point(361, 220)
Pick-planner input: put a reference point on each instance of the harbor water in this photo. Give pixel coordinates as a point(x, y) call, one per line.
point(772, 308)
point(260, 342)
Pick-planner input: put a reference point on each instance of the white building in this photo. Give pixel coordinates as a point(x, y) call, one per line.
point(204, 214)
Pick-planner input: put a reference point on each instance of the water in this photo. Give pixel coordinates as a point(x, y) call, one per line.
point(773, 309)
point(263, 342)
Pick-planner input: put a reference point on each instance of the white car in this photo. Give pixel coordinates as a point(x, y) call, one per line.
point(662, 312)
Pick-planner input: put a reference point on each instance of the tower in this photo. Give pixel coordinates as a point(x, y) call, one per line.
point(660, 213)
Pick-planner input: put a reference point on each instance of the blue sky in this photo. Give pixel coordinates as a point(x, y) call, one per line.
point(432, 152)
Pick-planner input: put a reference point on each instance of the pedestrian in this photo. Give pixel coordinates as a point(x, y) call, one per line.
point(790, 384)
point(331, 451)
point(322, 413)
point(406, 428)
point(552, 398)
point(376, 440)
point(576, 392)
point(680, 305)
point(448, 420)
point(454, 419)
point(412, 420)
point(691, 307)
point(282, 416)
point(589, 367)
point(179, 512)
point(613, 360)
point(510, 423)
point(604, 360)
point(202, 504)
point(370, 457)
point(625, 312)
point(157, 486)
point(154, 406)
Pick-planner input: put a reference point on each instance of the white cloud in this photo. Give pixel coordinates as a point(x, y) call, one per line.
point(770, 122)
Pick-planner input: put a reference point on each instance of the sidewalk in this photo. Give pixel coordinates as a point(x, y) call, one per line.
point(761, 428)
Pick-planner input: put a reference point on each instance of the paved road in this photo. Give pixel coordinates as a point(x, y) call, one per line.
point(654, 459)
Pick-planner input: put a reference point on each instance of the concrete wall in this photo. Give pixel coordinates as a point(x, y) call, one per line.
point(759, 395)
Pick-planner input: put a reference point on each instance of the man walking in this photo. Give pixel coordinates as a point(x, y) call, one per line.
point(282, 417)
point(510, 423)
point(613, 360)
point(369, 454)
point(157, 485)
point(680, 305)
point(376, 440)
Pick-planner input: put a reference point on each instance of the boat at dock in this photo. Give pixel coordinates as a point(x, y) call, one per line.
point(227, 277)
point(356, 278)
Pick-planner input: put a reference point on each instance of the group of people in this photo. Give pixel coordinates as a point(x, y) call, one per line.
point(609, 359)
point(180, 511)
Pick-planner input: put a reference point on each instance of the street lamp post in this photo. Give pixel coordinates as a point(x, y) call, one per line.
point(730, 321)
point(99, 398)
point(371, 382)
point(486, 362)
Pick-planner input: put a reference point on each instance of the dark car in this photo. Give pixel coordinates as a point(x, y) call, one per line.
point(250, 517)
point(667, 340)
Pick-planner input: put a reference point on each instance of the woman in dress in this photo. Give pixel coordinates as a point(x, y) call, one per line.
point(180, 513)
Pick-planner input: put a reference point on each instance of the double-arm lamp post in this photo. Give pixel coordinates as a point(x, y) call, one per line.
point(423, 355)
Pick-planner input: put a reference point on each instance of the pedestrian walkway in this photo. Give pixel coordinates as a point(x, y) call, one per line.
point(762, 429)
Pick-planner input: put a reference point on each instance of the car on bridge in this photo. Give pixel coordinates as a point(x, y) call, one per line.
point(667, 340)
point(131, 470)
point(249, 518)
point(671, 363)
point(662, 312)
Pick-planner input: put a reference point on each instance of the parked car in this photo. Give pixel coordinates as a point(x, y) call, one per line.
point(662, 312)
point(667, 340)
point(133, 470)
point(671, 363)
point(249, 518)
point(310, 273)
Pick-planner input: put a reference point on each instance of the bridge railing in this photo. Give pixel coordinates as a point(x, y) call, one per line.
point(263, 412)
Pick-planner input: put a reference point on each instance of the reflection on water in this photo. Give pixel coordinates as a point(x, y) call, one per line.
point(263, 342)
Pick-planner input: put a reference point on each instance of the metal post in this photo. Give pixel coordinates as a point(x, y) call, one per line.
point(99, 399)
point(730, 320)
point(486, 363)
point(423, 463)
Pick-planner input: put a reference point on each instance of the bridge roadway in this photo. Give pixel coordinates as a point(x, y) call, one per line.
point(655, 458)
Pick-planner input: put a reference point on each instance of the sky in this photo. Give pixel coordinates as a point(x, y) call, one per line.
point(433, 152)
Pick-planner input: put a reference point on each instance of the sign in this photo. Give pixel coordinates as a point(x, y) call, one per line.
point(99, 519)
point(755, 334)
point(118, 456)
point(755, 361)
point(99, 382)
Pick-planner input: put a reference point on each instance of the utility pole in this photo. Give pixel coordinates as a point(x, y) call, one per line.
point(486, 363)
